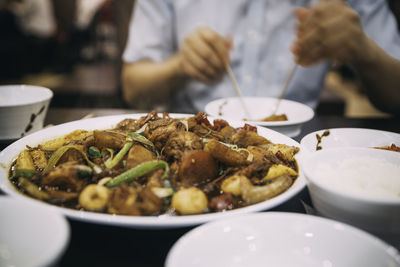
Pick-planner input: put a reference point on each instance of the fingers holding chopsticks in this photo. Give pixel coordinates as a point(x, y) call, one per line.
point(329, 31)
point(204, 54)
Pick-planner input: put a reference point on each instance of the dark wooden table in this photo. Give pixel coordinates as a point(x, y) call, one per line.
point(104, 245)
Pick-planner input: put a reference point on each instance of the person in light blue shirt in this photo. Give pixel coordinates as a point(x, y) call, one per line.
point(318, 40)
point(177, 50)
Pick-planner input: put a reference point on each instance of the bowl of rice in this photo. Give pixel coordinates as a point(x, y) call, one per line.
point(359, 186)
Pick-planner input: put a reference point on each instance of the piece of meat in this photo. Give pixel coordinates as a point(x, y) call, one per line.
point(138, 154)
point(155, 179)
point(227, 132)
point(128, 125)
point(72, 155)
point(221, 202)
point(159, 131)
point(61, 195)
point(64, 176)
point(123, 201)
point(256, 170)
point(180, 141)
point(150, 203)
point(220, 124)
point(261, 154)
point(245, 138)
point(200, 125)
point(225, 154)
point(109, 139)
point(197, 167)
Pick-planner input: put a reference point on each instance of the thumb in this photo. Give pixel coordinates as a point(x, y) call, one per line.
point(229, 41)
point(302, 13)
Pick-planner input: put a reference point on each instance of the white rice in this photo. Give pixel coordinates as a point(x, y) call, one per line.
point(365, 176)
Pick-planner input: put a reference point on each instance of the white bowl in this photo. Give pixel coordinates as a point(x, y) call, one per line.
point(349, 137)
point(262, 107)
point(31, 235)
point(280, 239)
point(358, 186)
point(23, 109)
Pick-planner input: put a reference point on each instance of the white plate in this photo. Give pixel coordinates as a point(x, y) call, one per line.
point(349, 137)
point(31, 235)
point(262, 107)
point(152, 222)
point(280, 239)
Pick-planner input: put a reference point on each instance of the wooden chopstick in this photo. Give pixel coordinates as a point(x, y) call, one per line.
point(285, 87)
point(237, 89)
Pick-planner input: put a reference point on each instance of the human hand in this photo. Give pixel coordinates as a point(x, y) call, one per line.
point(330, 31)
point(204, 54)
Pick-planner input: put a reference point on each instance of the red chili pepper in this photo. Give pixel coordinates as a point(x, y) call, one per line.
point(247, 127)
point(219, 124)
point(201, 117)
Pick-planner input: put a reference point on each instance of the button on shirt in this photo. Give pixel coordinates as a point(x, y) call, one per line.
point(262, 32)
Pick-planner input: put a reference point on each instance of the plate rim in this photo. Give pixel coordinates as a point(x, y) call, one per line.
point(148, 222)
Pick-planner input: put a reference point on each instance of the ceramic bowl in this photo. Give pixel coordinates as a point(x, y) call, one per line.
point(359, 186)
point(31, 235)
point(280, 239)
point(23, 109)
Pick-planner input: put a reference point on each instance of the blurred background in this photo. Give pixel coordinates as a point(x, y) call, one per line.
point(74, 47)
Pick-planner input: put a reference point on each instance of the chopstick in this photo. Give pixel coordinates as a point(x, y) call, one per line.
point(237, 89)
point(289, 79)
point(285, 87)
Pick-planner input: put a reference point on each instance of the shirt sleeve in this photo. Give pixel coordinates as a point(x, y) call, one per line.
point(379, 24)
point(150, 31)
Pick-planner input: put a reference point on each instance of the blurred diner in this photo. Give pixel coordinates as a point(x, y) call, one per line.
point(321, 36)
point(177, 50)
point(76, 48)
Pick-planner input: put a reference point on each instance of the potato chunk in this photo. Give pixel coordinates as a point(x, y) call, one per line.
point(189, 201)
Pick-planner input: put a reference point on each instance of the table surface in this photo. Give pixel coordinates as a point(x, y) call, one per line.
point(104, 245)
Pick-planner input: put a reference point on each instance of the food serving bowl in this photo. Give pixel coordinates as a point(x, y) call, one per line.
point(280, 239)
point(31, 235)
point(262, 107)
point(23, 109)
point(348, 137)
point(9, 154)
point(359, 186)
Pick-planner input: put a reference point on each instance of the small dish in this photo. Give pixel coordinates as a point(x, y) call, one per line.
point(349, 137)
point(31, 235)
point(23, 109)
point(279, 239)
point(262, 107)
point(358, 186)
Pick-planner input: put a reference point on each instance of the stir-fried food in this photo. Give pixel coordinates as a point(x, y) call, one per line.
point(275, 117)
point(157, 165)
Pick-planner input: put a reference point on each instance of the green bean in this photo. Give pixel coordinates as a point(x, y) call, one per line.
point(141, 139)
point(138, 171)
point(112, 162)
